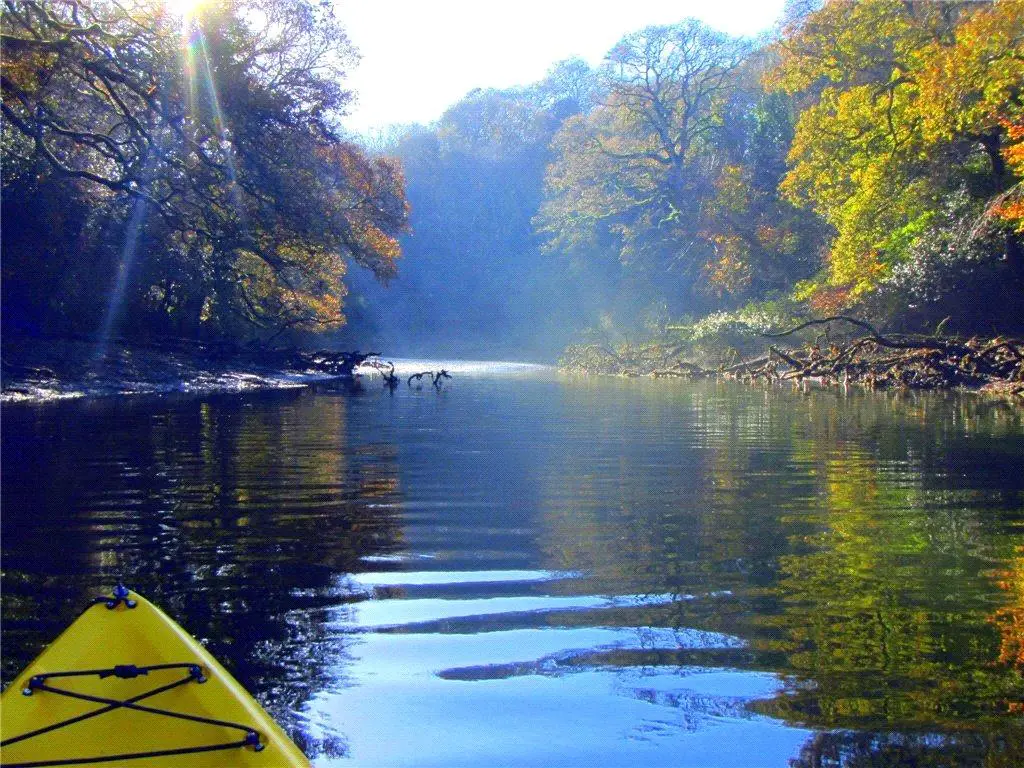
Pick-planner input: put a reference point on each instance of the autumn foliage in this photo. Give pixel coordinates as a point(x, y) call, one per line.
point(184, 176)
point(908, 103)
point(870, 158)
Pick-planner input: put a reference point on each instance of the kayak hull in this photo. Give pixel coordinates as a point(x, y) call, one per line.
point(150, 691)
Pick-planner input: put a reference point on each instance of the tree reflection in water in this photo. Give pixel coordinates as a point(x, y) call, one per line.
point(235, 519)
point(861, 553)
point(851, 544)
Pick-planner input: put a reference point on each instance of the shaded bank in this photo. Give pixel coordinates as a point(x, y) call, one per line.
point(53, 368)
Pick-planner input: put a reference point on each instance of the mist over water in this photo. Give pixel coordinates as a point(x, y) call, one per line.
point(525, 569)
point(407, 366)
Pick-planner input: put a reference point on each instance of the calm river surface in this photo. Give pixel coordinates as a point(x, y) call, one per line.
point(523, 569)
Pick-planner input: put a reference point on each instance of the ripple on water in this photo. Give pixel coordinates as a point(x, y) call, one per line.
point(542, 572)
point(417, 578)
point(378, 614)
point(571, 694)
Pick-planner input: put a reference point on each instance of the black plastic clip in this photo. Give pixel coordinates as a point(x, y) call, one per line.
point(252, 739)
point(124, 671)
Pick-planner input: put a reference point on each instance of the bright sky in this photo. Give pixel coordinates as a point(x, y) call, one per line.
point(421, 56)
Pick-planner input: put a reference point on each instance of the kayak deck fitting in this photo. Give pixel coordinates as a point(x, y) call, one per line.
point(125, 683)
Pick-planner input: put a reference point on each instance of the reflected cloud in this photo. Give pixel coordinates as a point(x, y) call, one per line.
point(382, 614)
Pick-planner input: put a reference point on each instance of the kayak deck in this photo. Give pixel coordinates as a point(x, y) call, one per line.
point(127, 684)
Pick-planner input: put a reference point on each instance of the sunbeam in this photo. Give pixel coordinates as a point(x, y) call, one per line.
point(124, 269)
point(199, 74)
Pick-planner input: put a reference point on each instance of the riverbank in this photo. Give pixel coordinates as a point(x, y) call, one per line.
point(990, 365)
point(46, 369)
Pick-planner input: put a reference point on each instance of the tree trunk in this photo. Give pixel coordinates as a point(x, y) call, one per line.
point(993, 147)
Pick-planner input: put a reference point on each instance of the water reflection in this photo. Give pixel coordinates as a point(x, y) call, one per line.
point(232, 514)
point(533, 571)
point(856, 543)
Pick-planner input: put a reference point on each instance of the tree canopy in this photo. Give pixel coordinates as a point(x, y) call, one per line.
point(674, 171)
point(190, 177)
point(910, 104)
point(869, 157)
point(194, 166)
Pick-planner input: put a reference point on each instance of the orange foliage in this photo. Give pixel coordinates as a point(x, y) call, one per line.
point(969, 85)
point(728, 272)
point(1013, 148)
point(373, 243)
point(778, 239)
point(831, 300)
point(1011, 209)
point(1010, 618)
point(1012, 212)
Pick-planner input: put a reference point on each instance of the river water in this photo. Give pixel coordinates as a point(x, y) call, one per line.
point(526, 569)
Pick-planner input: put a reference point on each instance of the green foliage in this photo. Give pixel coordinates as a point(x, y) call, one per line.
point(870, 158)
point(908, 103)
point(721, 336)
point(673, 174)
point(630, 177)
point(945, 264)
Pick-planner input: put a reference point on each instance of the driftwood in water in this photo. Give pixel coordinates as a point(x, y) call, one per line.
point(387, 372)
point(435, 378)
point(419, 377)
point(628, 359)
point(873, 359)
point(916, 362)
point(682, 370)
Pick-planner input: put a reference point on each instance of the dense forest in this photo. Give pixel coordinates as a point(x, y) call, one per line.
point(865, 158)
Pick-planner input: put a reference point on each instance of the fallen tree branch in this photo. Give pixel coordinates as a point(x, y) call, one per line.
point(874, 334)
point(871, 360)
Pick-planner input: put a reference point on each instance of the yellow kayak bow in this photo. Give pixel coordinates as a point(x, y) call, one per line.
point(124, 683)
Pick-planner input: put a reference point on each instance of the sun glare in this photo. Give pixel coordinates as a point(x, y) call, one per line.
point(182, 8)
